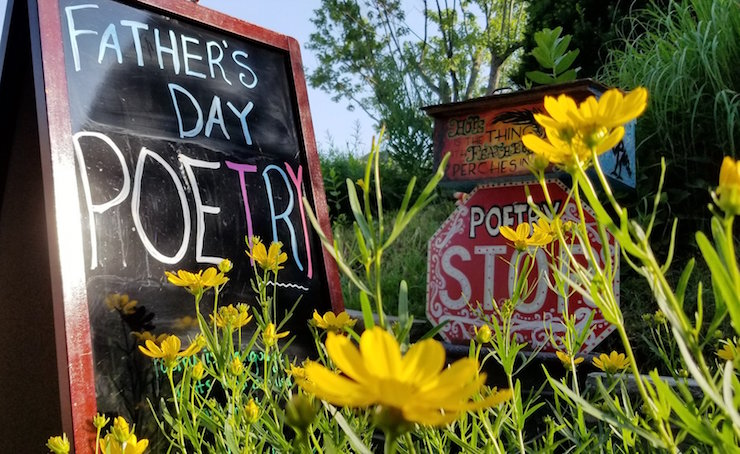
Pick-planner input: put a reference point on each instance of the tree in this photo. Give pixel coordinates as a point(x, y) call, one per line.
point(371, 56)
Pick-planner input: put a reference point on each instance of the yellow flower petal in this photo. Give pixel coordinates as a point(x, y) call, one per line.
point(346, 356)
point(423, 360)
point(381, 353)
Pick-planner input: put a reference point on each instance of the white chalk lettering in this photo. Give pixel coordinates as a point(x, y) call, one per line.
point(172, 50)
point(109, 40)
point(243, 77)
point(214, 60)
point(195, 130)
point(99, 208)
point(242, 115)
point(187, 56)
point(74, 32)
point(136, 27)
point(200, 209)
point(136, 202)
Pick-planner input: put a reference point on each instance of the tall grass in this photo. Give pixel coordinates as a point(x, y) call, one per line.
point(687, 56)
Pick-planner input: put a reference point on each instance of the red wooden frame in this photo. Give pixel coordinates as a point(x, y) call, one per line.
point(72, 326)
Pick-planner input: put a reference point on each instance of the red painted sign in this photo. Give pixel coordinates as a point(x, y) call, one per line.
point(484, 135)
point(488, 144)
point(468, 267)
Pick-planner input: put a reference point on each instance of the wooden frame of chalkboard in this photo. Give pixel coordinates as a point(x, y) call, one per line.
point(147, 110)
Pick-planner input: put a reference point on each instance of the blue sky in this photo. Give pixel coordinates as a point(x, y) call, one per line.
point(293, 18)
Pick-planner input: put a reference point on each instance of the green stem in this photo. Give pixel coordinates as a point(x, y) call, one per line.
point(175, 398)
point(316, 444)
point(391, 443)
point(516, 413)
point(641, 386)
point(378, 293)
point(410, 443)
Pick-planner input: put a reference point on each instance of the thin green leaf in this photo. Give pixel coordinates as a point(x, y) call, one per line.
point(683, 281)
point(403, 303)
point(367, 311)
point(357, 212)
point(433, 332)
point(354, 440)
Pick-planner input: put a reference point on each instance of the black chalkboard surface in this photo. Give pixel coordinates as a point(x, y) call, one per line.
point(187, 139)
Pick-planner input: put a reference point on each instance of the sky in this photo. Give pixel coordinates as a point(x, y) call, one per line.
point(293, 18)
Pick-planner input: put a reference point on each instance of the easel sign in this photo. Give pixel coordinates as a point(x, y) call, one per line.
point(174, 132)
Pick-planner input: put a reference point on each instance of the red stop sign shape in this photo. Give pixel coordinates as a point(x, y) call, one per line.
point(468, 267)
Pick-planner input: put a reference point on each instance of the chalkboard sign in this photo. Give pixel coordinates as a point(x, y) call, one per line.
point(174, 134)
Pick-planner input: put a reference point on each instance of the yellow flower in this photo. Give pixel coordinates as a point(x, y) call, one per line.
point(58, 445)
point(298, 374)
point(185, 323)
point(729, 350)
point(121, 303)
point(565, 359)
point(416, 386)
point(169, 349)
point(236, 367)
point(252, 411)
point(334, 323)
point(728, 190)
point(230, 316)
point(543, 230)
point(110, 445)
point(270, 335)
point(194, 283)
point(612, 363)
point(482, 335)
point(144, 336)
point(121, 431)
point(268, 260)
point(521, 239)
point(573, 132)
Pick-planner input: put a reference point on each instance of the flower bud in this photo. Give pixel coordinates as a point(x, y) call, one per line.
point(225, 266)
point(251, 412)
point(300, 412)
point(198, 371)
point(100, 421)
point(728, 190)
point(58, 445)
point(121, 432)
point(236, 367)
point(483, 335)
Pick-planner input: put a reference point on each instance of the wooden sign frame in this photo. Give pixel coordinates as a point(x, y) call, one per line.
point(65, 225)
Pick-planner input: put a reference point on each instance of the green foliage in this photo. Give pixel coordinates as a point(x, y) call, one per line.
point(593, 24)
point(372, 58)
point(374, 235)
point(686, 55)
point(337, 167)
point(408, 261)
point(552, 53)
